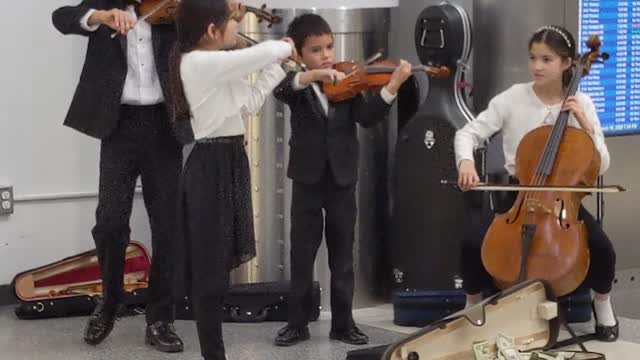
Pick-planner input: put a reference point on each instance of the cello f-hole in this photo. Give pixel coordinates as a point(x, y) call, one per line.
point(517, 215)
point(561, 212)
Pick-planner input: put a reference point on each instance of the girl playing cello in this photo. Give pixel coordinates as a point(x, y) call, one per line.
point(517, 111)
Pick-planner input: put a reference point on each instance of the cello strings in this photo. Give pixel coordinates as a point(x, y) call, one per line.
point(552, 147)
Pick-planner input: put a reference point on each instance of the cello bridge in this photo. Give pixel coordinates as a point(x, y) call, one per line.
point(533, 206)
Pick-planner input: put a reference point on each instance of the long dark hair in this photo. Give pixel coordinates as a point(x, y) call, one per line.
point(561, 42)
point(192, 21)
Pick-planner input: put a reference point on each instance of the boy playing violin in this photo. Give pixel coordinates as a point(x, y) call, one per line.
point(323, 165)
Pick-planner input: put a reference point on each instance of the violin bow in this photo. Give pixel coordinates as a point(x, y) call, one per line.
point(366, 62)
point(251, 41)
point(247, 38)
point(146, 16)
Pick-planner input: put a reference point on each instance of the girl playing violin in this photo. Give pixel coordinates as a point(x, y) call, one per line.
point(515, 112)
point(211, 94)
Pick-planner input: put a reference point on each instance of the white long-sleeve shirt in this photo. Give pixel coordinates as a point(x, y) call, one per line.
point(517, 111)
point(218, 92)
point(142, 84)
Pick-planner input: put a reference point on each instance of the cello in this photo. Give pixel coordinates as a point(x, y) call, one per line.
point(540, 237)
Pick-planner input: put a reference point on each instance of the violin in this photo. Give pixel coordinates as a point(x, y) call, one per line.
point(163, 12)
point(158, 12)
point(94, 289)
point(250, 42)
point(370, 75)
point(540, 237)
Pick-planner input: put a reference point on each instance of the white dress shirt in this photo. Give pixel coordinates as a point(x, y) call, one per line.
point(517, 111)
point(322, 97)
point(142, 84)
point(217, 89)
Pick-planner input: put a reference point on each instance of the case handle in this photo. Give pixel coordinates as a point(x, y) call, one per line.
point(249, 317)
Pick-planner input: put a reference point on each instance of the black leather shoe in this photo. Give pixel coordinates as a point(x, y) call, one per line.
point(353, 336)
point(162, 336)
point(288, 336)
point(101, 322)
point(605, 333)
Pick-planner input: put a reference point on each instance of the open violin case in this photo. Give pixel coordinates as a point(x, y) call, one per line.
point(73, 286)
point(528, 313)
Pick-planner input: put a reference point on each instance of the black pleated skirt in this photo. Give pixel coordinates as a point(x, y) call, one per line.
point(215, 230)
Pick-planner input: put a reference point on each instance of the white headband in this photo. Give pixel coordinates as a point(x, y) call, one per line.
point(554, 29)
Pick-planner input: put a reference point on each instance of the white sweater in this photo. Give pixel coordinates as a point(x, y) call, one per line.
point(218, 91)
point(517, 111)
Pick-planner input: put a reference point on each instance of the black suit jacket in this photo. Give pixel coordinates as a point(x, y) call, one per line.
point(95, 106)
point(317, 139)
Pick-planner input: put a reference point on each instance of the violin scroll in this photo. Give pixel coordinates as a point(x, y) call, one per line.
point(441, 72)
point(261, 13)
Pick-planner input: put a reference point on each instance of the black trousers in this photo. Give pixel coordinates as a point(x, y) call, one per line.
point(216, 232)
point(143, 145)
point(209, 316)
point(307, 220)
point(601, 268)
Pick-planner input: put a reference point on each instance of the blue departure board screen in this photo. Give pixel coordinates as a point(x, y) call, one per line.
point(615, 85)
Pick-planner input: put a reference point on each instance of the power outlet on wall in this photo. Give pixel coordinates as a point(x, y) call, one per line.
point(6, 200)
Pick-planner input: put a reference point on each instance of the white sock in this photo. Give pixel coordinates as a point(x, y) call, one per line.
point(604, 312)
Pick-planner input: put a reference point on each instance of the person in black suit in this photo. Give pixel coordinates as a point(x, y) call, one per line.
point(120, 100)
point(323, 164)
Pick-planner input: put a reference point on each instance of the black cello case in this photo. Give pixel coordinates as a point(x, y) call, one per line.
point(429, 220)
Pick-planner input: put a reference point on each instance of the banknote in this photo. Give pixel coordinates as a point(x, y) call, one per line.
point(481, 350)
point(506, 348)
